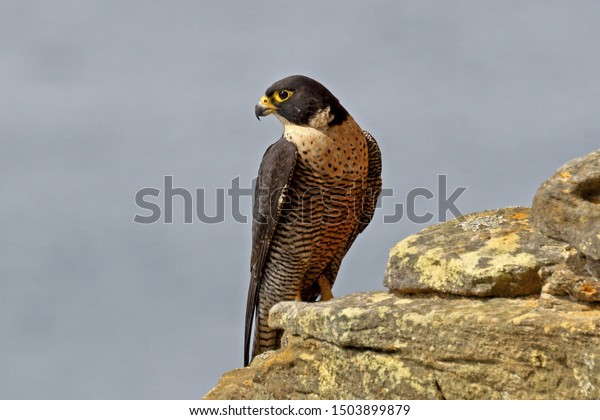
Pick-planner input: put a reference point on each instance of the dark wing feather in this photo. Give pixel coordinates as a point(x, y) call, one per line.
point(274, 175)
point(374, 183)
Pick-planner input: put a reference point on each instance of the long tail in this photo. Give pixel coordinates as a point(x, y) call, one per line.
point(265, 338)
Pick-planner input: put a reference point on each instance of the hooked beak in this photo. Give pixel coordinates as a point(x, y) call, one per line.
point(264, 107)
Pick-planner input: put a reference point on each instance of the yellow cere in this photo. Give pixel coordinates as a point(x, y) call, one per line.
point(266, 101)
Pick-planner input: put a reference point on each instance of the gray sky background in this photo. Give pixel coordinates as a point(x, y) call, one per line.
point(102, 98)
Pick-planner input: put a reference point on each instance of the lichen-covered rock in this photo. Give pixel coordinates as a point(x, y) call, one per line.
point(567, 206)
point(572, 277)
point(380, 345)
point(492, 253)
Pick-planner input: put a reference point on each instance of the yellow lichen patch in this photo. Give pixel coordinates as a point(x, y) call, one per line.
point(404, 247)
point(538, 359)
point(352, 313)
point(438, 271)
point(578, 327)
point(565, 175)
point(375, 368)
point(309, 357)
point(379, 368)
point(379, 297)
point(327, 377)
point(584, 322)
point(522, 260)
point(399, 301)
point(417, 319)
point(396, 345)
point(519, 320)
point(503, 243)
point(502, 249)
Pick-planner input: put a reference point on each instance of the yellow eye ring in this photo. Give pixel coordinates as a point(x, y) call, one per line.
point(282, 95)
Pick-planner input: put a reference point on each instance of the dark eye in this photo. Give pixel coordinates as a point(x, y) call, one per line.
point(282, 95)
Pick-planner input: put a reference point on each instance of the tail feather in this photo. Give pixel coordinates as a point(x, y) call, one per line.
point(265, 339)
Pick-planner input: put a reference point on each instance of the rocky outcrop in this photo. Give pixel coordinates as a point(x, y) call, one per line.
point(496, 253)
point(493, 253)
point(383, 346)
point(488, 306)
point(567, 206)
point(572, 277)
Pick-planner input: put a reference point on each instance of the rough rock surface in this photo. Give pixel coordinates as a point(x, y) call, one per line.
point(567, 206)
point(571, 277)
point(380, 345)
point(492, 253)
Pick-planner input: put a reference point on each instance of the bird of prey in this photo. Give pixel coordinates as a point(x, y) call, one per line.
point(316, 190)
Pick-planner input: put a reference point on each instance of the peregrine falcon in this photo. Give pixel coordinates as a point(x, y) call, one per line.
point(316, 191)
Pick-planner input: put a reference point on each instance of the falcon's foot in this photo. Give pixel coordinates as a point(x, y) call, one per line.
point(325, 288)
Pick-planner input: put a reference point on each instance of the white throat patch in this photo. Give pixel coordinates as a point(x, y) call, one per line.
point(321, 119)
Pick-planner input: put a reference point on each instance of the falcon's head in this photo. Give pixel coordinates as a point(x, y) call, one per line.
point(300, 100)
